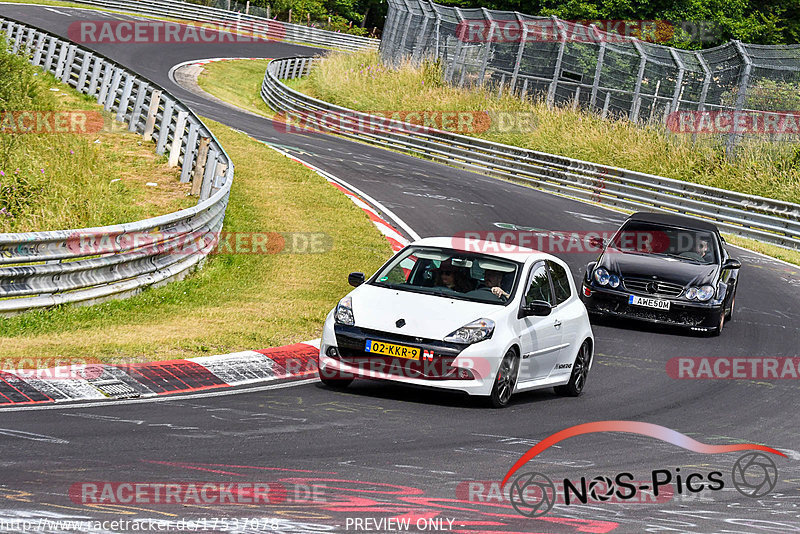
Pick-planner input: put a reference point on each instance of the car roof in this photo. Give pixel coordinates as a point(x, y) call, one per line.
point(489, 248)
point(674, 220)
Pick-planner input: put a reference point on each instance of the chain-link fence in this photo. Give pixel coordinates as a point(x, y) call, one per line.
point(718, 90)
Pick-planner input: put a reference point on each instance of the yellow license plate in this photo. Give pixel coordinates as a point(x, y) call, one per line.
point(390, 349)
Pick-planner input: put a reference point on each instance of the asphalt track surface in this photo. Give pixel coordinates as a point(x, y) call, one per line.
point(378, 451)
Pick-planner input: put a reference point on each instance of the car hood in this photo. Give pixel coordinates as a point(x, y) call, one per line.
point(664, 268)
point(428, 316)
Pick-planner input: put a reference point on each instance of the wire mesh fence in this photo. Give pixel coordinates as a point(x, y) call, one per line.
point(724, 90)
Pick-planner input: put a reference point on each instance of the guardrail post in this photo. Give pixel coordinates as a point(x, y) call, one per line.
point(163, 130)
point(219, 176)
point(112, 89)
point(200, 165)
point(209, 174)
point(402, 47)
point(488, 51)
point(599, 69)
point(87, 58)
point(96, 69)
point(177, 139)
point(127, 89)
point(149, 125)
point(136, 112)
point(39, 50)
point(633, 115)
point(62, 60)
point(520, 50)
point(419, 42)
point(437, 28)
point(459, 45)
point(741, 96)
point(188, 154)
point(51, 51)
point(676, 101)
point(604, 113)
point(105, 83)
point(562, 39)
point(655, 99)
point(66, 75)
point(10, 33)
point(29, 40)
point(706, 81)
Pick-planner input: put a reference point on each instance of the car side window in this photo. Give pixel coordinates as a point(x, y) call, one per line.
point(560, 282)
point(539, 286)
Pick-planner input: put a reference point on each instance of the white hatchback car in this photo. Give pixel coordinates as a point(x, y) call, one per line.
point(442, 314)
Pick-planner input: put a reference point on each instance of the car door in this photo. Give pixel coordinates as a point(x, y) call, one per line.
point(568, 311)
point(540, 337)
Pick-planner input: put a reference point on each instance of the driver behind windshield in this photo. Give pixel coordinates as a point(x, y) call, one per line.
point(493, 280)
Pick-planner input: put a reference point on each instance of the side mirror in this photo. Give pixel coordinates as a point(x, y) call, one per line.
point(732, 264)
point(536, 307)
point(355, 279)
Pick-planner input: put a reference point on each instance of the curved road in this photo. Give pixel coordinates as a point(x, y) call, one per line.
point(345, 461)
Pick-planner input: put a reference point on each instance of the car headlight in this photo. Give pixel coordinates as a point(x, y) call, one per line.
point(702, 294)
point(601, 276)
point(344, 312)
point(472, 332)
point(613, 280)
point(705, 293)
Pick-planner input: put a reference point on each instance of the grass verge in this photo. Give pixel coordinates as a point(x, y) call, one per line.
point(237, 82)
point(52, 181)
point(360, 82)
point(236, 302)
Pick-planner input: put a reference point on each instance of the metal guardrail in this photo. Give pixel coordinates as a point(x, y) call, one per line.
point(758, 218)
point(43, 269)
point(262, 27)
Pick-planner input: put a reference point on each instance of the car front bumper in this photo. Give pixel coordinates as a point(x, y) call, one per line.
point(466, 368)
point(697, 316)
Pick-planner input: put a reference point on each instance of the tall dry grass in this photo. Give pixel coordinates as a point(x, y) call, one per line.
point(360, 82)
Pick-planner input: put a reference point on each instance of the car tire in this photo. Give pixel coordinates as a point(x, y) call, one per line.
point(733, 305)
point(580, 371)
point(718, 330)
point(334, 379)
point(505, 381)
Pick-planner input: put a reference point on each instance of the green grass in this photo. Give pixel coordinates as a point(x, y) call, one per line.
point(237, 82)
point(74, 180)
point(236, 302)
point(360, 82)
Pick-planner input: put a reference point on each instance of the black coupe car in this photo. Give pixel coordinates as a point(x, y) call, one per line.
point(666, 269)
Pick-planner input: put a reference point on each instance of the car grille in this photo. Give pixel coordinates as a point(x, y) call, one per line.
point(683, 318)
point(663, 289)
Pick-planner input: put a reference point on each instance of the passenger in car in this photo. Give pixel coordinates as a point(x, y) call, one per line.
point(452, 277)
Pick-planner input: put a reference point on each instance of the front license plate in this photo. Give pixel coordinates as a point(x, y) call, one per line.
point(390, 349)
point(648, 302)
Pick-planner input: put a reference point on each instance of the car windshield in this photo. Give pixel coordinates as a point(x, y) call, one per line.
point(640, 237)
point(451, 274)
